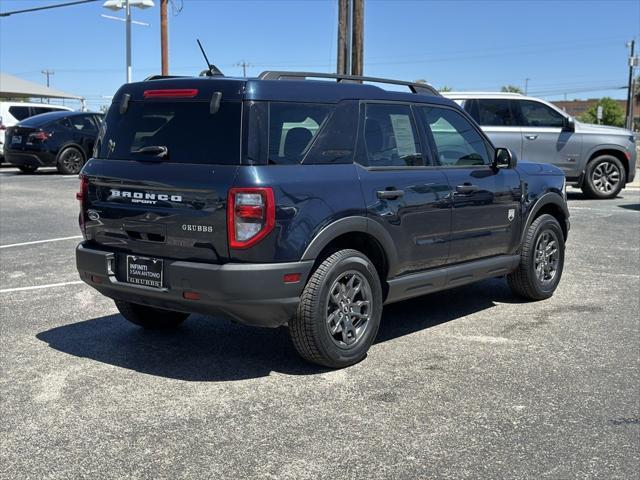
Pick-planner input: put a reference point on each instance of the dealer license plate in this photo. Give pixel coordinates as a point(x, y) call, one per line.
point(144, 271)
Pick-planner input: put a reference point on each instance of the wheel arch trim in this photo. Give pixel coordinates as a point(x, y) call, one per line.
point(549, 198)
point(354, 224)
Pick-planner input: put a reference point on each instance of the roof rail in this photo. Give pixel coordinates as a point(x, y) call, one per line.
point(414, 87)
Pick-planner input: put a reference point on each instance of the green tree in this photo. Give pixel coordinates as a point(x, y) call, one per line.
point(511, 88)
point(446, 88)
point(612, 113)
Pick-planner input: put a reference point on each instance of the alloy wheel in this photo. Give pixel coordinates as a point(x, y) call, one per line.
point(605, 177)
point(72, 161)
point(547, 257)
point(348, 308)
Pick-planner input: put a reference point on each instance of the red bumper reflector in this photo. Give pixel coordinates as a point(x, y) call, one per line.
point(171, 93)
point(292, 277)
point(96, 279)
point(191, 295)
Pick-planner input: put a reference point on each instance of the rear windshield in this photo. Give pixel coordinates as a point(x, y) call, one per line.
point(187, 129)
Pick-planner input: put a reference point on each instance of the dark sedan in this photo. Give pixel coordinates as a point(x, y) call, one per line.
point(59, 139)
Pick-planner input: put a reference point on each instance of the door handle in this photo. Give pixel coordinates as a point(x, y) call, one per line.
point(531, 137)
point(467, 188)
point(390, 194)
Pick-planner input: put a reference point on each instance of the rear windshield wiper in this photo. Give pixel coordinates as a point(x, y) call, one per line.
point(156, 150)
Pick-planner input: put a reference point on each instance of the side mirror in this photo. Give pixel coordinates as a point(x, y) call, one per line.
point(503, 158)
point(569, 124)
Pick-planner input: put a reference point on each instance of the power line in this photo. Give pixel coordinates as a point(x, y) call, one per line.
point(47, 7)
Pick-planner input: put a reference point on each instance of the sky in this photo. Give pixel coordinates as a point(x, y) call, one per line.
point(566, 49)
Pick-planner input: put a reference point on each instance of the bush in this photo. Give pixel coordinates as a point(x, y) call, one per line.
point(612, 114)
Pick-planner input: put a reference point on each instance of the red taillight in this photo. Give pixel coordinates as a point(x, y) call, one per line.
point(171, 93)
point(191, 295)
point(39, 136)
point(251, 215)
point(84, 189)
point(292, 277)
point(81, 196)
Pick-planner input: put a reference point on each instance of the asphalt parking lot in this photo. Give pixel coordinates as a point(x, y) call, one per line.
point(469, 383)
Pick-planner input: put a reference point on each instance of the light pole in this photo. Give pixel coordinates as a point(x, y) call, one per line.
point(126, 5)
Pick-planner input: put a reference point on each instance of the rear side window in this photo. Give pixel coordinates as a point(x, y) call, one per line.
point(83, 123)
point(39, 110)
point(390, 136)
point(493, 112)
point(19, 113)
point(292, 128)
point(187, 129)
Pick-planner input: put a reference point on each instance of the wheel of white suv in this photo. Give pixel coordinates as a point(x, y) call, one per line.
point(150, 317)
point(604, 177)
point(541, 260)
point(339, 312)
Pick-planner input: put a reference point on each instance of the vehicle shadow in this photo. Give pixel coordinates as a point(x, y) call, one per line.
point(631, 206)
point(216, 349)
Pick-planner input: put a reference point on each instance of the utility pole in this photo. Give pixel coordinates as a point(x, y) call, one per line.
point(629, 119)
point(341, 68)
point(350, 37)
point(357, 43)
point(164, 37)
point(244, 66)
point(48, 73)
point(526, 85)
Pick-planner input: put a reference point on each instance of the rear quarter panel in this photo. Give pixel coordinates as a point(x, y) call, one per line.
point(308, 198)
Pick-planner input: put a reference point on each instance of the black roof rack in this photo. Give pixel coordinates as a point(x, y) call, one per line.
point(414, 87)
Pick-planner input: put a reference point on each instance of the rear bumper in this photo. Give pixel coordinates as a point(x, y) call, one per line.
point(33, 159)
point(254, 294)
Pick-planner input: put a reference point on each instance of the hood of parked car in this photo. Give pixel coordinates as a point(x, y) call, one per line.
point(601, 129)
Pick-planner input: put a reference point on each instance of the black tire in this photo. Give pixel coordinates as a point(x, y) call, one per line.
point(150, 317)
point(310, 328)
point(70, 161)
point(27, 169)
point(525, 281)
point(604, 177)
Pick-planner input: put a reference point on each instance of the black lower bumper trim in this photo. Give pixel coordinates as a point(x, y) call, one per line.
point(254, 294)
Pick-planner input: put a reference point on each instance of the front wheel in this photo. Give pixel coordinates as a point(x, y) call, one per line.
point(604, 177)
point(339, 312)
point(150, 317)
point(541, 260)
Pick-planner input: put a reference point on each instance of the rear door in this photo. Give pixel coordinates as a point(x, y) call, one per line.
point(486, 201)
point(402, 193)
point(498, 121)
point(163, 167)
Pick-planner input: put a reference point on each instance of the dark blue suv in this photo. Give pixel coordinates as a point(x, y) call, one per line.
point(284, 200)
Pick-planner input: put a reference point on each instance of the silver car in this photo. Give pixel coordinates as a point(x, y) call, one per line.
point(600, 160)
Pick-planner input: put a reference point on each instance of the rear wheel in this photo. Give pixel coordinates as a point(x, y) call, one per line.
point(604, 177)
point(339, 312)
point(27, 169)
point(150, 317)
point(70, 161)
point(541, 260)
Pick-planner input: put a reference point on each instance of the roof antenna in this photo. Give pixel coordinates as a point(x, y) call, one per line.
point(212, 70)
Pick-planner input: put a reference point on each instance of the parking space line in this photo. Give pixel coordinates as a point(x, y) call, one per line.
point(37, 287)
point(75, 237)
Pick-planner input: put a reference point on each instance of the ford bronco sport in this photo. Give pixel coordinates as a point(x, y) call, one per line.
point(283, 200)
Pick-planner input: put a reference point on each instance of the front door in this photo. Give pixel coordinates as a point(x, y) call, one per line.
point(486, 201)
point(410, 200)
point(544, 138)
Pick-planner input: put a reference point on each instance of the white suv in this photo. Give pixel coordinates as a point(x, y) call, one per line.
point(600, 160)
point(14, 112)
